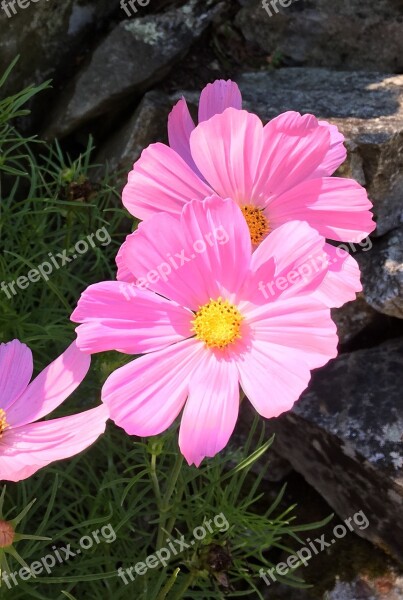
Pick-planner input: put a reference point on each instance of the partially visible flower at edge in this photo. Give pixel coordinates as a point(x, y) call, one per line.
point(26, 445)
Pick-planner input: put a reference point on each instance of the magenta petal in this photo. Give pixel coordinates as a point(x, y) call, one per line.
point(290, 261)
point(180, 126)
point(25, 450)
point(50, 388)
point(145, 396)
point(212, 408)
point(338, 208)
point(293, 147)
point(217, 97)
point(177, 258)
point(123, 273)
point(288, 339)
point(120, 316)
point(342, 281)
point(226, 149)
point(161, 181)
point(16, 368)
point(336, 154)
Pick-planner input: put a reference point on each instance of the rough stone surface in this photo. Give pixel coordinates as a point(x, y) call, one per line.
point(47, 35)
point(382, 274)
point(339, 34)
point(345, 437)
point(374, 128)
point(147, 125)
point(352, 318)
point(134, 56)
point(385, 587)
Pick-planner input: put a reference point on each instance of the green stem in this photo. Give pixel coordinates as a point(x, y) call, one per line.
point(164, 506)
point(185, 586)
point(155, 481)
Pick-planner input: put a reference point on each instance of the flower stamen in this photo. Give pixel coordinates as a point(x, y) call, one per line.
point(218, 323)
point(3, 422)
point(257, 222)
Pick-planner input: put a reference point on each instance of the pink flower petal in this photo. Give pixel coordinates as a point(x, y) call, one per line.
point(336, 155)
point(177, 258)
point(161, 181)
point(290, 261)
point(180, 126)
point(226, 149)
point(15, 371)
point(123, 273)
point(293, 147)
point(27, 449)
point(212, 408)
point(145, 396)
point(50, 388)
point(342, 281)
point(120, 316)
point(218, 96)
point(338, 208)
point(288, 338)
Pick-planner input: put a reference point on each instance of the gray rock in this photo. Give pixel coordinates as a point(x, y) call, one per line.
point(352, 318)
point(345, 437)
point(382, 274)
point(373, 128)
point(134, 56)
point(339, 34)
point(47, 35)
point(364, 587)
point(147, 125)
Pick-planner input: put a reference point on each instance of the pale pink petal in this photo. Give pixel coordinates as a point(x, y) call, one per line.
point(145, 396)
point(15, 371)
point(336, 154)
point(123, 273)
point(180, 126)
point(293, 147)
point(342, 281)
point(177, 258)
point(161, 181)
point(226, 149)
point(218, 96)
point(338, 208)
point(287, 339)
point(211, 410)
point(50, 388)
point(25, 450)
point(116, 315)
point(291, 260)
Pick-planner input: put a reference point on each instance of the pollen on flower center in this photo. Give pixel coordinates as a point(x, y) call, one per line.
point(3, 422)
point(257, 222)
point(217, 323)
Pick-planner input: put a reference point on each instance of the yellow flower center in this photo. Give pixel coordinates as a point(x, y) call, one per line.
point(257, 222)
point(7, 534)
point(217, 323)
point(3, 422)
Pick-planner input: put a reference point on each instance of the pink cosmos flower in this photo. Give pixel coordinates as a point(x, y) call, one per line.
point(205, 326)
point(214, 99)
point(276, 173)
point(25, 445)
